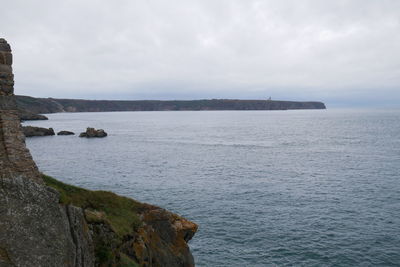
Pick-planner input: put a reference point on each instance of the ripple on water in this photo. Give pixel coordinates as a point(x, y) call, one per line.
point(294, 188)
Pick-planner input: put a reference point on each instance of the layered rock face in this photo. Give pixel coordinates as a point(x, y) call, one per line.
point(6, 75)
point(34, 228)
point(38, 229)
point(15, 159)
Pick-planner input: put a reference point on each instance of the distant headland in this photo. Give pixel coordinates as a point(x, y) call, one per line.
point(53, 105)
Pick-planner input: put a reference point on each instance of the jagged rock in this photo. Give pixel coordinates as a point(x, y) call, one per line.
point(6, 75)
point(34, 230)
point(30, 131)
point(162, 239)
point(92, 132)
point(65, 133)
point(84, 249)
point(15, 159)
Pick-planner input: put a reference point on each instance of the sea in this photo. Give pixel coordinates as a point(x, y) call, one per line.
point(267, 188)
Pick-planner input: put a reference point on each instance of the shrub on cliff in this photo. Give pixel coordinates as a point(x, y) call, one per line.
point(120, 212)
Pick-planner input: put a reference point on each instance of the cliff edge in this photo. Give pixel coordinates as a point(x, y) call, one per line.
point(44, 222)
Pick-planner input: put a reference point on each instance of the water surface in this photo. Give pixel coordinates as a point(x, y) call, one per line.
point(268, 188)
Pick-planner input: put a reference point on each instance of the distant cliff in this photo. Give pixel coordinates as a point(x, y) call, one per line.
point(52, 105)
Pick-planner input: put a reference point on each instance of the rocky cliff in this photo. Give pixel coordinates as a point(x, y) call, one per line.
point(52, 105)
point(44, 222)
point(15, 159)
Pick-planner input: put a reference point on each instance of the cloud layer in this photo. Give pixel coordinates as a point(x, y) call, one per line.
point(309, 49)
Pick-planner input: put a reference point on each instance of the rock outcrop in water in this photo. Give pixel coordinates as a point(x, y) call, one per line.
point(44, 222)
point(65, 133)
point(29, 116)
point(30, 131)
point(92, 132)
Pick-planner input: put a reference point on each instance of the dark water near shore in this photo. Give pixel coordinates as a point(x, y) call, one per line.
point(268, 188)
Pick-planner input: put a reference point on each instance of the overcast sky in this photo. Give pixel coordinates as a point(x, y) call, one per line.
point(340, 52)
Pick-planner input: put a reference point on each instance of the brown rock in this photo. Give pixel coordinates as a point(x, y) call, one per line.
point(15, 159)
point(162, 240)
point(6, 77)
point(92, 132)
point(30, 131)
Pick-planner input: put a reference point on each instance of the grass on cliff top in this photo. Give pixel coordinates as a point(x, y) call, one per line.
point(120, 212)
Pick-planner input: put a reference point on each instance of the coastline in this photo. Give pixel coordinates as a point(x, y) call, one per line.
point(48, 223)
point(52, 105)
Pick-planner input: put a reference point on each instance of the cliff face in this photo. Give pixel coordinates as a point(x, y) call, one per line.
point(52, 105)
point(38, 227)
point(34, 229)
point(15, 159)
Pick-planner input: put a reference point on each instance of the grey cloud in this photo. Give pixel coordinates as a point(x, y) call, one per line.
point(306, 49)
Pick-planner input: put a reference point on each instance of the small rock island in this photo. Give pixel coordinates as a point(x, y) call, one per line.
point(65, 133)
point(92, 132)
point(30, 131)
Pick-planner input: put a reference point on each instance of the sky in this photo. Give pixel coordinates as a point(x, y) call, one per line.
point(345, 53)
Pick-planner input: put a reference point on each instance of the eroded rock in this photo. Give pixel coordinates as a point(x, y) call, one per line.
point(29, 116)
point(92, 132)
point(30, 131)
point(34, 230)
point(15, 159)
point(162, 239)
point(6, 74)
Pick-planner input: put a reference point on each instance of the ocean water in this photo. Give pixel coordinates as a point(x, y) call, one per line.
point(267, 188)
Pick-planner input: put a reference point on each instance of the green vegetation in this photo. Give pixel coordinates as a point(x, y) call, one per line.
point(125, 261)
point(104, 254)
point(119, 212)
